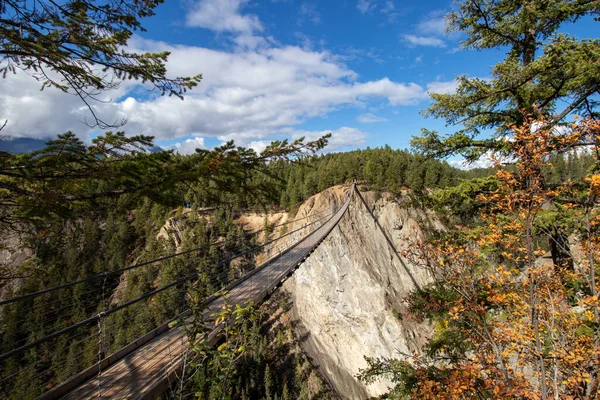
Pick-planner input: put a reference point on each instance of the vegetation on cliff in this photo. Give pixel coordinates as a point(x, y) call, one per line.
point(514, 300)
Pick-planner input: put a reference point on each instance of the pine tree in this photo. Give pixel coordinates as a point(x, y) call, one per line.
point(500, 311)
point(268, 383)
point(544, 73)
point(285, 395)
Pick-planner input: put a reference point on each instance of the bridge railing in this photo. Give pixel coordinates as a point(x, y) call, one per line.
point(38, 355)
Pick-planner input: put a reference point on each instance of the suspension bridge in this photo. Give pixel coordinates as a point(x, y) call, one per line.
point(145, 367)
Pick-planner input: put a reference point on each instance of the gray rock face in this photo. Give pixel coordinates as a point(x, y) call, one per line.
point(348, 295)
point(13, 253)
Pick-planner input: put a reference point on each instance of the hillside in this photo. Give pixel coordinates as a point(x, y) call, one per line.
point(353, 300)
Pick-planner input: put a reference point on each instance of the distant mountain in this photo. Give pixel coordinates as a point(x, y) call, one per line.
point(155, 149)
point(19, 145)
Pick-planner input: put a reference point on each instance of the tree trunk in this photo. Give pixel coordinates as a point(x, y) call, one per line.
point(561, 252)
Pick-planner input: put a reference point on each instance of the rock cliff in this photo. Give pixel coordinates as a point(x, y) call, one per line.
point(348, 295)
point(14, 252)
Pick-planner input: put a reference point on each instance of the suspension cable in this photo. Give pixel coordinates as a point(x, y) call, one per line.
point(96, 317)
point(213, 278)
point(138, 265)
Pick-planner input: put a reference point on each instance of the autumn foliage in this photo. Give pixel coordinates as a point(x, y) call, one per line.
point(512, 321)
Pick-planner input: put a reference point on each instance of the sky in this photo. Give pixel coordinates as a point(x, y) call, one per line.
point(275, 69)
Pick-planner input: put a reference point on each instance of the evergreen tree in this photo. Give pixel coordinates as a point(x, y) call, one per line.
point(544, 73)
point(268, 384)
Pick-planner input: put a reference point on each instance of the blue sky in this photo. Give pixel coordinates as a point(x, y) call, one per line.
point(275, 69)
point(370, 37)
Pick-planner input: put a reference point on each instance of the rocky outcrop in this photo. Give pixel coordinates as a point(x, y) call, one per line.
point(173, 229)
point(347, 298)
point(348, 295)
point(14, 253)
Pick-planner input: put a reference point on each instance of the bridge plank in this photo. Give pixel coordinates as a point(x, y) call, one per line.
point(146, 371)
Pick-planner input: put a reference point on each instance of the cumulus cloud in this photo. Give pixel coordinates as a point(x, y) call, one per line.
point(258, 145)
point(248, 95)
point(485, 161)
point(29, 111)
point(32, 112)
point(433, 26)
point(189, 146)
point(430, 41)
point(442, 87)
point(251, 42)
point(251, 94)
point(341, 139)
point(369, 117)
point(223, 16)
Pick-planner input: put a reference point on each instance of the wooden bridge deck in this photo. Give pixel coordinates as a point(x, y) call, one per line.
point(149, 370)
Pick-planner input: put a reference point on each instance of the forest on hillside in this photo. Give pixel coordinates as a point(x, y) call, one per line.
point(386, 169)
point(513, 300)
point(83, 238)
point(95, 233)
point(110, 234)
point(383, 169)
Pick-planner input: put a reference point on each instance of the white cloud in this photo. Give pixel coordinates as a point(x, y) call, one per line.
point(389, 10)
point(365, 6)
point(249, 95)
point(305, 40)
point(388, 7)
point(223, 16)
point(189, 146)
point(429, 32)
point(258, 145)
point(442, 87)
point(396, 94)
point(415, 40)
point(250, 42)
point(433, 26)
point(252, 95)
point(34, 113)
point(342, 138)
point(368, 118)
point(485, 161)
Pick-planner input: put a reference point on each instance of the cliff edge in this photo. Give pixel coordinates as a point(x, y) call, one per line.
point(348, 295)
